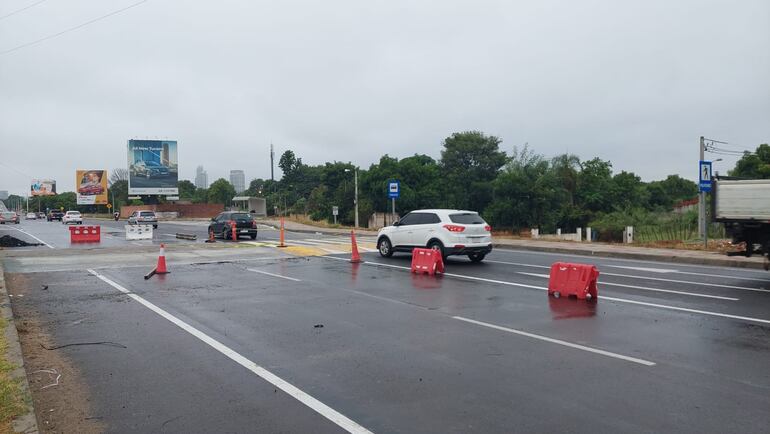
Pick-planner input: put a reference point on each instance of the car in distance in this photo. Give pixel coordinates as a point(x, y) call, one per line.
point(452, 232)
point(150, 169)
point(73, 217)
point(9, 217)
point(245, 225)
point(54, 215)
point(31, 216)
point(143, 217)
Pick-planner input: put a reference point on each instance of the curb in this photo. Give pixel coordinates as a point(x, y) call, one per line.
point(26, 423)
point(723, 262)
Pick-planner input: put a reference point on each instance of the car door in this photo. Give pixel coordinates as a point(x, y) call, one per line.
point(400, 236)
point(219, 224)
point(425, 228)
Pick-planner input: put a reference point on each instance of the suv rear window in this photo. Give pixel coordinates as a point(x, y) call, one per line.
point(467, 218)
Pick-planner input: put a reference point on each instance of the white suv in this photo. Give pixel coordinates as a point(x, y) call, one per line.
point(72, 217)
point(453, 232)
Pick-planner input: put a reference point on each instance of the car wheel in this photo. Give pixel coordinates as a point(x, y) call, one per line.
point(436, 245)
point(476, 257)
point(224, 233)
point(155, 226)
point(253, 236)
point(385, 248)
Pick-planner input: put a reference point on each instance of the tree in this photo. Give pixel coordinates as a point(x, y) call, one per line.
point(221, 191)
point(289, 163)
point(186, 189)
point(471, 160)
point(119, 191)
point(754, 165)
point(119, 174)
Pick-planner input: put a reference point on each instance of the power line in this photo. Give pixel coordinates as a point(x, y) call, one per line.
point(79, 26)
point(21, 10)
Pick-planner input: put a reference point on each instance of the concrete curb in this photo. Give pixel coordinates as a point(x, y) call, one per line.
point(26, 423)
point(673, 258)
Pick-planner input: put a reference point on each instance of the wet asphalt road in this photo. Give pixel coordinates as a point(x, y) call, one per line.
point(666, 348)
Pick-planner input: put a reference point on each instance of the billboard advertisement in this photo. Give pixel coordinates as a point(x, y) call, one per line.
point(43, 187)
point(152, 167)
point(92, 187)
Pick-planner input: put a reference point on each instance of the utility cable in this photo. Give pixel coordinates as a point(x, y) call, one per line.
point(79, 26)
point(21, 10)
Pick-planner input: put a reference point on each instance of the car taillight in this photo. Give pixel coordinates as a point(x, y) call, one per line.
point(488, 228)
point(454, 228)
point(253, 224)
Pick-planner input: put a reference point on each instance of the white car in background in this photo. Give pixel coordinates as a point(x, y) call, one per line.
point(31, 216)
point(453, 232)
point(73, 217)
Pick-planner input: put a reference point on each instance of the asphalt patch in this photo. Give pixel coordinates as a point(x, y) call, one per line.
point(9, 241)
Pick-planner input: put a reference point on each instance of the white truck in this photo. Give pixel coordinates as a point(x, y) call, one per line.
point(743, 205)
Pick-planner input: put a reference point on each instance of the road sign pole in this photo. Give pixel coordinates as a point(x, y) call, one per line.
point(702, 195)
point(392, 209)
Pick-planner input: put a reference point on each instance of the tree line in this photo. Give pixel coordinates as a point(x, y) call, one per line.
point(517, 190)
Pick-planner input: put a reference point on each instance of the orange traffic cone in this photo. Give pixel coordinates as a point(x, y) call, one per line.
point(354, 257)
point(161, 268)
point(282, 244)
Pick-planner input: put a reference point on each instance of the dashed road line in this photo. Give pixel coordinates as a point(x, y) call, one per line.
point(274, 275)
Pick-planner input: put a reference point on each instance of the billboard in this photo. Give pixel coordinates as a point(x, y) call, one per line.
point(152, 167)
point(43, 187)
point(92, 187)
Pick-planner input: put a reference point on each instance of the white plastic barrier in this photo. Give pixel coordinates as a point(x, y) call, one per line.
point(138, 232)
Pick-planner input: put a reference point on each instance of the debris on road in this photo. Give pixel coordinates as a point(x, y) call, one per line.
point(108, 343)
point(318, 326)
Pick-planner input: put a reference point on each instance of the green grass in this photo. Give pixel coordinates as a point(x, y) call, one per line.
point(11, 394)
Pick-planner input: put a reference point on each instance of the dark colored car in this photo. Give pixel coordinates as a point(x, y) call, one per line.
point(9, 217)
point(150, 169)
point(244, 225)
point(54, 215)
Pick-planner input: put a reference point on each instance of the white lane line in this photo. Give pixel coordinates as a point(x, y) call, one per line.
point(319, 407)
point(27, 233)
point(651, 270)
point(671, 291)
point(558, 342)
point(604, 297)
point(631, 276)
point(274, 275)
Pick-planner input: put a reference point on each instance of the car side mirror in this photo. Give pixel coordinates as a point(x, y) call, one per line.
point(396, 223)
point(213, 219)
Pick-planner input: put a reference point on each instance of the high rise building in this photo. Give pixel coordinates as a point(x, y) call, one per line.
point(201, 178)
point(238, 179)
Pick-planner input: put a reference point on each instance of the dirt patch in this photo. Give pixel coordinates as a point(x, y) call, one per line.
point(58, 390)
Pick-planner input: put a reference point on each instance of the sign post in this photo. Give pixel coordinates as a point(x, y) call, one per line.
point(704, 185)
point(335, 213)
point(394, 189)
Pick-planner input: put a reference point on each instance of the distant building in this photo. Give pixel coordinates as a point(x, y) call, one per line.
point(201, 178)
point(238, 179)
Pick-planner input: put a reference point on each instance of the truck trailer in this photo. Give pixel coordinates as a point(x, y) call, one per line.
point(743, 206)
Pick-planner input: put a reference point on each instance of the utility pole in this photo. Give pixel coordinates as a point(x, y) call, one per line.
point(355, 202)
point(272, 158)
point(701, 194)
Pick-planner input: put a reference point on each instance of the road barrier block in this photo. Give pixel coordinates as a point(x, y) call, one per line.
point(191, 237)
point(85, 234)
point(427, 261)
point(573, 279)
point(138, 232)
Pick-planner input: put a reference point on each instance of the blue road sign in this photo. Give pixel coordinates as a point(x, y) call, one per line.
point(394, 188)
point(704, 181)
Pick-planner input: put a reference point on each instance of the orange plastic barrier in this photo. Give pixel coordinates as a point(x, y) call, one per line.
point(85, 234)
point(427, 261)
point(573, 279)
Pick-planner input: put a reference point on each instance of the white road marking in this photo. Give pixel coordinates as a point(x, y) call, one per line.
point(319, 407)
point(620, 300)
point(651, 270)
point(27, 233)
point(558, 342)
point(631, 276)
point(671, 291)
point(274, 275)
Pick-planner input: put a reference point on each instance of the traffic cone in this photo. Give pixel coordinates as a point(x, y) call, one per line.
point(354, 257)
point(211, 237)
point(282, 244)
point(161, 268)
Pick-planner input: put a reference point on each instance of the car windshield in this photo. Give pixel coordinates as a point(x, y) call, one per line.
point(73, 212)
point(467, 218)
point(9, 214)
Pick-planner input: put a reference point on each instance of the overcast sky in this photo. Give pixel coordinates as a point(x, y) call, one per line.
point(634, 82)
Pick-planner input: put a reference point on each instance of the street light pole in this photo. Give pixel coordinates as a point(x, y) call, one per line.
point(702, 195)
point(355, 202)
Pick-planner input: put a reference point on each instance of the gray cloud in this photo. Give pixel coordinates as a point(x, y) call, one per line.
point(632, 82)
